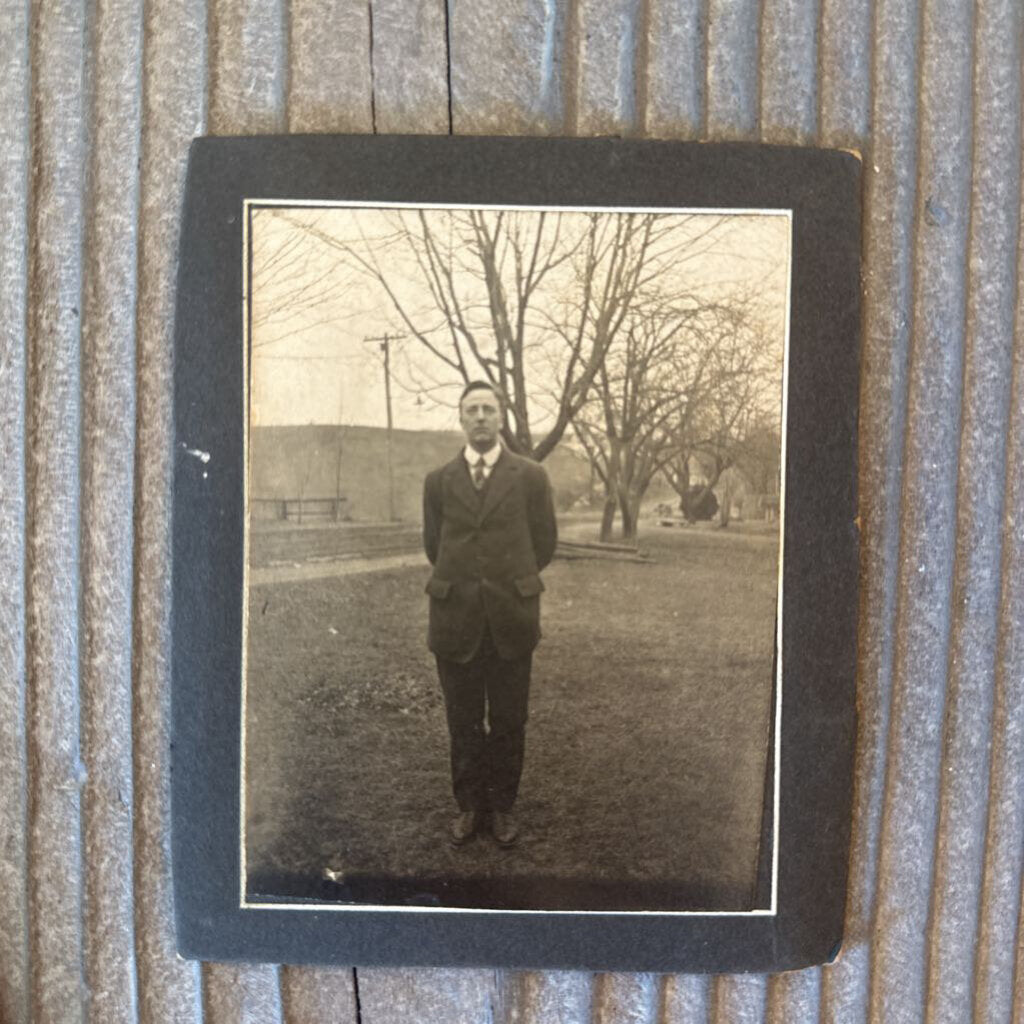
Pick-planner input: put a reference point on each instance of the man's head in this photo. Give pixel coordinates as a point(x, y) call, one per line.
point(480, 413)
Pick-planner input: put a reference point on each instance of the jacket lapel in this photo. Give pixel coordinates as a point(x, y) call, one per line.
point(502, 478)
point(461, 485)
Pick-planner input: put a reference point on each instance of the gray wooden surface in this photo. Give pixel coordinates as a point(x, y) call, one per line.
point(99, 102)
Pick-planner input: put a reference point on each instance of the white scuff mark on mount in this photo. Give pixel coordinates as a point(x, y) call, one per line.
point(198, 453)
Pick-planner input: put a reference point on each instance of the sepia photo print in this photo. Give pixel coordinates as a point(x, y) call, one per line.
point(513, 534)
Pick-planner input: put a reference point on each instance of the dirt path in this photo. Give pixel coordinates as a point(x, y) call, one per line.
point(331, 568)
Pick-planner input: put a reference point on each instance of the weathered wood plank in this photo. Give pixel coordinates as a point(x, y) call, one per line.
point(410, 66)
point(396, 996)
point(988, 358)
point(686, 999)
point(55, 769)
point(14, 175)
point(844, 69)
point(313, 994)
point(612, 68)
point(174, 110)
point(928, 519)
point(552, 997)
point(738, 999)
point(676, 39)
point(242, 994)
point(626, 999)
point(789, 71)
point(794, 997)
point(999, 927)
point(328, 66)
point(890, 193)
point(248, 67)
point(513, 68)
point(108, 432)
point(732, 63)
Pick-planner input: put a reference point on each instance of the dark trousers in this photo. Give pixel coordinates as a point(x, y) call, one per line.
point(485, 700)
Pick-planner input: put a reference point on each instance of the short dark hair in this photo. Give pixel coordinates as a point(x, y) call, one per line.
point(476, 385)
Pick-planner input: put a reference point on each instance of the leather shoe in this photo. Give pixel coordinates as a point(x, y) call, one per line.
point(462, 828)
point(504, 828)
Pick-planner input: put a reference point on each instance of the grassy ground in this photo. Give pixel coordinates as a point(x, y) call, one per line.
point(645, 749)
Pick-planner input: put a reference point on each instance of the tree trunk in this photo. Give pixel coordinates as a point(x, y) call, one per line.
point(607, 518)
point(629, 506)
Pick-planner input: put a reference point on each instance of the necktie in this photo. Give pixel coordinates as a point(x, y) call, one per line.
point(478, 474)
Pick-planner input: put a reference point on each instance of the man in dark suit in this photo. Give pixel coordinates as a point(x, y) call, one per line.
point(488, 529)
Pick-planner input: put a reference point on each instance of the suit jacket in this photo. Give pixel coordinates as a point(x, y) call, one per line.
point(487, 549)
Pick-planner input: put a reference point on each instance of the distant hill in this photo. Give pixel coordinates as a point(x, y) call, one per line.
point(318, 461)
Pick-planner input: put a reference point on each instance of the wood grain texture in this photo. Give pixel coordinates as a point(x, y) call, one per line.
point(15, 998)
point(248, 65)
point(732, 47)
point(675, 82)
point(108, 454)
point(100, 103)
point(310, 995)
point(513, 67)
point(890, 192)
point(410, 66)
point(328, 66)
point(789, 71)
point(992, 273)
point(56, 772)
point(173, 111)
point(927, 516)
point(611, 68)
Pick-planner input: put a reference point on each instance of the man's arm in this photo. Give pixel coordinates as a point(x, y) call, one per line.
point(431, 516)
point(543, 527)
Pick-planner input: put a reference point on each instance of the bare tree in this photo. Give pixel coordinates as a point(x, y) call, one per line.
point(292, 287)
point(718, 436)
point(657, 377)
point(498, 294)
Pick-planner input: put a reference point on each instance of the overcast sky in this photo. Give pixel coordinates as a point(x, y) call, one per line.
point(318, 308)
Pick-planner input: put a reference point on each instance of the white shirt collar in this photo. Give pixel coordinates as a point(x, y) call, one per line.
point(490, 457)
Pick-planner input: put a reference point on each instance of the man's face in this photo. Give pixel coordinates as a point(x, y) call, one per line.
point(480, 415)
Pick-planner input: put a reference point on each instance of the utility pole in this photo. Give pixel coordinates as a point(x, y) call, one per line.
point(385, 346)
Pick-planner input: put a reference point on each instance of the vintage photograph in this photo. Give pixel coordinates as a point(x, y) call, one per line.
point(514, 505)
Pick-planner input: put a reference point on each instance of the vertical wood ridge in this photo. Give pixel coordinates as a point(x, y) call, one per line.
point(248, 64)
point(997, 970)
point(844, 73)
point(14, 214)
point(788, 79)
point(174, 66)
point(409, 66)
point(626, 999)
point(927, 516)
point(890, 196)
point(53, 428)
point(732, 69)
point(685, 999)
point(327, 48)
point(738, 999)
point(676, 35)
point(611, 81)
point(242, 993)
point(313, 994)
point(991, 284)
point(108, 380)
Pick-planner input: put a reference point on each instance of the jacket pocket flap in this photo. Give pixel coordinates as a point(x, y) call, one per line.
point(438, 588)
point(529, 586)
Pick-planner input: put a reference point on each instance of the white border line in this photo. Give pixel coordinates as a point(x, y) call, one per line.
point(777, 800)
point(319, 907)
point(243, 870)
